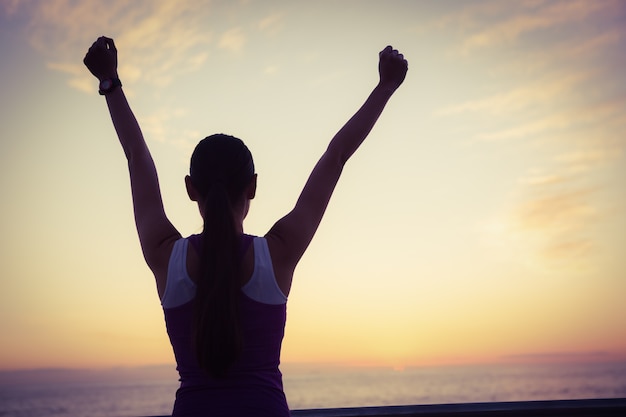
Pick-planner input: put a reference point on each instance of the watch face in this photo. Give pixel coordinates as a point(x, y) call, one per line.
point(105, 85)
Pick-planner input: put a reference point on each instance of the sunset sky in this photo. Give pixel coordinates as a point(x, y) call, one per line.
point(481, 221)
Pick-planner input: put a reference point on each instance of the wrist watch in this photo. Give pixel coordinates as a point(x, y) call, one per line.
point(108, 84)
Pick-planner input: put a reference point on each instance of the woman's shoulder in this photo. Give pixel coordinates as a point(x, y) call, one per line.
point(179, 287)
point(283, 267)
point(263, 285)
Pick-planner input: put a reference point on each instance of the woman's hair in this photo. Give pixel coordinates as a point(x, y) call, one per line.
point(221, 169)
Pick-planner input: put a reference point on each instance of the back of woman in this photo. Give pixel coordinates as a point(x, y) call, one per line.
point(223, 292)
point(255, 375)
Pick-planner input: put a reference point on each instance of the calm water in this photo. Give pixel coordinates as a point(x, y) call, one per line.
point(60, 394)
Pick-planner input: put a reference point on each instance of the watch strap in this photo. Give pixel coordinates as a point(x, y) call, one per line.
point(108, 85)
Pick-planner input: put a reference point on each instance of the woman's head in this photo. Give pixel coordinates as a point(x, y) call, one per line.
point(221, 161)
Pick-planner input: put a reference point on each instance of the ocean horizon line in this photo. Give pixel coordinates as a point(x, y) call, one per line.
point(130, 373)
point(150, 389)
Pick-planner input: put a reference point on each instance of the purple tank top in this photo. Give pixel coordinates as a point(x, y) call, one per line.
point(254, 385)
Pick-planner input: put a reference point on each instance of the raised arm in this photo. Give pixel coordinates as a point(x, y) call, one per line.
point(156, 233)
point(291, 235)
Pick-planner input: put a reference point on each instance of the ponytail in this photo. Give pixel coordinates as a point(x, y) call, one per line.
point(221, 168)
point(217, 335)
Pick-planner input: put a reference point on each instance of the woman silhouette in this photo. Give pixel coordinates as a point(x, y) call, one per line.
point(223, 292)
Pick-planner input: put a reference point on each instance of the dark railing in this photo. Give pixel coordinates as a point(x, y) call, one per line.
point(579, 408)
point(612, 407)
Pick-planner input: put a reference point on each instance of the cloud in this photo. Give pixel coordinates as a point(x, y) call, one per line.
point(556, 216)
point(492, 24)
point(10, 6)
point(558, 208)
point(587, 159)
point(232, 40)
point(593, 44)
point(196, 61)
point(156, 36)
point(557, 212)
point(158, 125)
point(596, 124)
point(503, 32)
point(272, 24)
point(545, 80)
point(470, 17)
point(529, 128)
point(271, 69)
point(553, 207)
point(71, 69)
point(530, 94)
point(553, 90)
point(566, 250)
point(551, 357)
point(79, 79)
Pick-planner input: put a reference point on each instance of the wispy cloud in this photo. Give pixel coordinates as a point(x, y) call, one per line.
point(271, 69)
point(596, 43)
point(495, 23)
point(161, 38)
point(554, 91)
point(159, 126)
point(585, 160)
point(158, 42)
point(530, 94)
point(10, 7)
point(233, 39)
point(272, 24)
point(76, 73)
point(554, 219)
point(564, 356)
point(598, 123)
point(552, 206)
point(558, 208)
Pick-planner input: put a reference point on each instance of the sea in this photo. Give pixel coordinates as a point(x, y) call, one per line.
point(149, 391)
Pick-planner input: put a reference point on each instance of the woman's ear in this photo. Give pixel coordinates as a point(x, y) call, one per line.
point(251, 190)
point(191, 190)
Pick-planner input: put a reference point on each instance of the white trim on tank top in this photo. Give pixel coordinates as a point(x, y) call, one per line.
point(262, 286)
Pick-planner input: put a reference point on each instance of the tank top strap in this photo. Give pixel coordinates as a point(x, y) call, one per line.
point(179, 288)
point(262, 286)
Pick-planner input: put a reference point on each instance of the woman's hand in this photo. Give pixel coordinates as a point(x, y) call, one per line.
point(101, 59)
point(392, 68)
